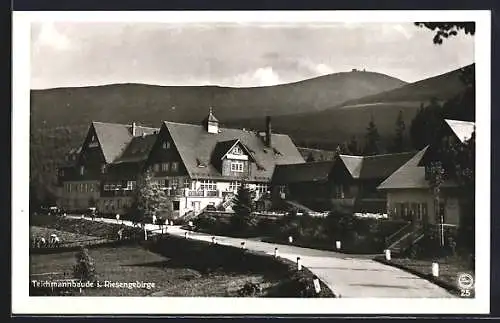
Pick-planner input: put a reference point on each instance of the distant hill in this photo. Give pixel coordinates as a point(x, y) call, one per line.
point(148, 104)
point(327, 128)
point(60, 117)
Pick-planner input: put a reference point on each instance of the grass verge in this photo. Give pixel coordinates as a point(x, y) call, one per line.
point(449, 270)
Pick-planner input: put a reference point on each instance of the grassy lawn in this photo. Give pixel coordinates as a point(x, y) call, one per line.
point(133, 263)
point(449, 268)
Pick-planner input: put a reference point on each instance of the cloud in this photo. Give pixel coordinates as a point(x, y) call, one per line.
point(48, 35)
point(263, 76)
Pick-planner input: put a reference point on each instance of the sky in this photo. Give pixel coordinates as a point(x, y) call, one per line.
point(236, 55)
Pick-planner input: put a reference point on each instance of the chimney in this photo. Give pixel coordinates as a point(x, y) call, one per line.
point(268, 131)
point(133, 129)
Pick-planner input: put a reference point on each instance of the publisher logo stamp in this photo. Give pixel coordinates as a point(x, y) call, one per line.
point(465, 283)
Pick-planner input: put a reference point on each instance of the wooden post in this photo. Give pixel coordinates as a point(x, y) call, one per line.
point(435, 269)
point(338, 244)
point(299, 264)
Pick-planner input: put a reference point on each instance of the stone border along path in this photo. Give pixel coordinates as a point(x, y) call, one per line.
point(348, 276)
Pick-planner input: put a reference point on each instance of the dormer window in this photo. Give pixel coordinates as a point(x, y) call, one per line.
point(237, 151)
point(166, 145)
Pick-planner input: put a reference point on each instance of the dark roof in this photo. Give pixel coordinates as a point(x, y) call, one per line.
point(360, 167)
point(317, 154)
point(410, 175)
point(377, 166)
point(114, 138)
point(138, 149)
point(304, 172)
point(196, 145)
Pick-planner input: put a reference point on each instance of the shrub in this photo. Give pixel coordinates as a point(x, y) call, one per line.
point(84, 268)
point(250, 290)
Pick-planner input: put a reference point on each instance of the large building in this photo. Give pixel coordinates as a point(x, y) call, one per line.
point(196, 165)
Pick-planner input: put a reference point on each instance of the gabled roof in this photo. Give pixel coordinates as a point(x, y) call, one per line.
point(195, 145)
point(300, 173)
point(462, 129)
point(114, 138)
point(375, 167)
point(410, 175)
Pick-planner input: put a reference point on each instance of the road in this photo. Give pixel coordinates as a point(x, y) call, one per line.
point(346, 275)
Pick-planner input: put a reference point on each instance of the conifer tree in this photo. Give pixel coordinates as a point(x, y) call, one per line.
point(398, 145)
point(149, 199)
point(372, 139)
point(243, 206)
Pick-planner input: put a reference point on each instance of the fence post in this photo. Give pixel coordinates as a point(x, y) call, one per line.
point(435, 269)
point(387, 254)
point(338, 244)
point(317, 286)
point(276, 253)
point(299, 264)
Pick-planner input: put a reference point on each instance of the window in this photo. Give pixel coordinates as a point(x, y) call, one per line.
point(174, 182)
point(175, 205)
point(130, 185)
point(61, 172)
point(103, 168)
point(339, 191)
point(156, 167)
point(262, 188)
point(187, 182)
point(208, 185)
point(237, 166)
point(118, 203)
point(237, 151)
point(82, 170)
point(111, 187)
point(234, 186)
point(164, 167)
point(166, 145)
point(106, 187)
point(175, 166)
